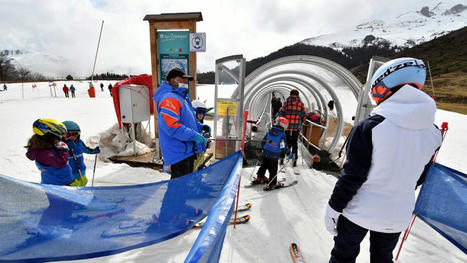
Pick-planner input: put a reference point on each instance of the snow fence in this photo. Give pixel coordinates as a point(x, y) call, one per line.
point(442, 204)
point(48, 223)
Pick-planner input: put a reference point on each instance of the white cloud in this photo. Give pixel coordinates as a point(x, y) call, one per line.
point(68, 30)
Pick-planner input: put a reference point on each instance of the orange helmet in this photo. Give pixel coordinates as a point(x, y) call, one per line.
point(282, 122)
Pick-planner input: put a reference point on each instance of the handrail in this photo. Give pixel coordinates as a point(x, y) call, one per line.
point(317, 125)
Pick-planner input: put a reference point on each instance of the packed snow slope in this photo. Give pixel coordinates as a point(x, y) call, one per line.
point(293, 214)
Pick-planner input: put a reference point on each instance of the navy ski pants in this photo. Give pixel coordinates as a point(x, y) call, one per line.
point(271, 166)
point(349, 236)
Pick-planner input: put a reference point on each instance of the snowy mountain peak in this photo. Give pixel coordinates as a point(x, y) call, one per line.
point(404, 29)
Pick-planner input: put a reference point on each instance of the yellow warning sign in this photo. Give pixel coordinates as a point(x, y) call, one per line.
point(226, 108)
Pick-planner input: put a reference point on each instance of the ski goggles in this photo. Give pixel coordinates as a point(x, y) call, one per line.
point(201, 111)
point(72, 133)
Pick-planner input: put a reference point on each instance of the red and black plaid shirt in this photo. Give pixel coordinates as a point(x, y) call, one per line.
point(294, 111)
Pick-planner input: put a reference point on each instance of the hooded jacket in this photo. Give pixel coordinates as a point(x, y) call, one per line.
point(386, 155)
point(53, 165)
point(177, 124)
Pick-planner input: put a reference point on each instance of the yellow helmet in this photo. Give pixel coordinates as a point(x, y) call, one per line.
point(44, 126)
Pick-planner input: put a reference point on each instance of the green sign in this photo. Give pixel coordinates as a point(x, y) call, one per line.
point(173, 51)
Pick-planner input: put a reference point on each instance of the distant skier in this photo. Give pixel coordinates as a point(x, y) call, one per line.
point(110, 89)
point(72, 89)
point(76, 149)
point(5, 88)
point(274, 143)
point(66, 90)
point(388, 156)
point(50, 153)
point(276, 107)
point(102, 87)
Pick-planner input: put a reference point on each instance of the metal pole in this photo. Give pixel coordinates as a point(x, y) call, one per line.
point(97, 51)
point(94, 170)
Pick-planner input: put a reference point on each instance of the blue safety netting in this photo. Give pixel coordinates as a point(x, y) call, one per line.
point(442, 204)
point(208, 245)
point(47, 223)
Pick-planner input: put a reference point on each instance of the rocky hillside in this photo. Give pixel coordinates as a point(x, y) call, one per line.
point(447, 58)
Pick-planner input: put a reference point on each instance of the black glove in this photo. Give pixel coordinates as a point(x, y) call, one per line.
point(206, 131)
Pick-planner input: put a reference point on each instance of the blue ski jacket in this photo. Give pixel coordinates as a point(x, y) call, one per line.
point(177, 124)
point(274, 143)
point(76, 150)
point(53, 165)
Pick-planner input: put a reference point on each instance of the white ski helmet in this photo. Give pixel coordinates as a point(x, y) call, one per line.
point(394, 74)
point(198, 104)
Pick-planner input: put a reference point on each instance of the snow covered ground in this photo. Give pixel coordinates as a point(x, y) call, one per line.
point(278, 218)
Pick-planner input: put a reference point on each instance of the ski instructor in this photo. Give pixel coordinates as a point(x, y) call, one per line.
point(388, 156)
point(179, 139)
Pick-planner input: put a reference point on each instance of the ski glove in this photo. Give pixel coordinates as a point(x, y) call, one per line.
point(200, 139)
point(206, 131)
point(330, 220)
point(75, 183)
point(96, 150)
point(61, 146)
point(291, 156)
point(84, 180)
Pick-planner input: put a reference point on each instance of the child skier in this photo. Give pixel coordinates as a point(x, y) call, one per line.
point(77, 148)
point(273, 145)
point(50, 153)
point(388, 155)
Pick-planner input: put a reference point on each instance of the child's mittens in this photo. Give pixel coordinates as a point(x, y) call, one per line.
point(61, 146)
point(96, 150)
point(76, 183)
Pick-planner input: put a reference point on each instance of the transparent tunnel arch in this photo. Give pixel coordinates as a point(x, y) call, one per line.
point(318, 81)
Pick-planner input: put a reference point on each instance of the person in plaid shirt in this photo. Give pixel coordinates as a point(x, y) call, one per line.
point(294, 111)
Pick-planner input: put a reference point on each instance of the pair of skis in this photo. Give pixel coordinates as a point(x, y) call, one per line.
point(239, 220)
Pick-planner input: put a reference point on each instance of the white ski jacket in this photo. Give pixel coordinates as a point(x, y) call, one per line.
point(386, 155)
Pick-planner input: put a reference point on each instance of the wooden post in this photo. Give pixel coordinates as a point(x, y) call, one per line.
point(170, 21)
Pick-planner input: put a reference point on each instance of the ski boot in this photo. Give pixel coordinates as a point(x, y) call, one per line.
point(260, 180)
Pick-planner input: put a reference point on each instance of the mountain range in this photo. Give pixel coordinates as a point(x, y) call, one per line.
point(403, 30)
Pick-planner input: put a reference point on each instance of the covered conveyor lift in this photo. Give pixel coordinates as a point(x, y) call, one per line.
point(326, 89)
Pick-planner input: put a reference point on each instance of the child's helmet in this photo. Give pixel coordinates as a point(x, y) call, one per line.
point(52, 126)
point(394, 74)
point(71, 126)
point(199, 106)
point(282, 122)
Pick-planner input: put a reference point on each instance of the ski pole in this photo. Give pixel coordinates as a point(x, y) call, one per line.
point(77, 166)
point(251, 175)
point(279, 171)
point(94, 170)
